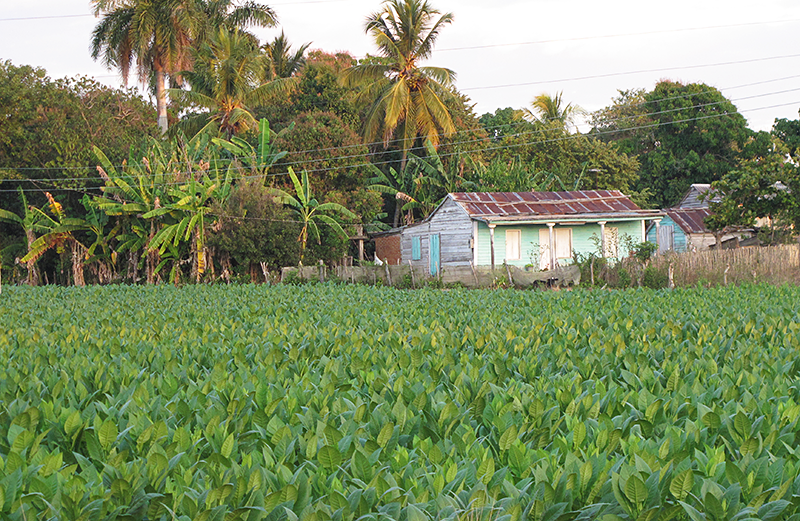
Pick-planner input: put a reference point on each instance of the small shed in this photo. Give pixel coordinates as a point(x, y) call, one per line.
point(698, 196)
point(540, 230)
point(388, 245)
point(683, 228)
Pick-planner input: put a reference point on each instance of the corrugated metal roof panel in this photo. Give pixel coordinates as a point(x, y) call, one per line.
point(541, 204)
point(690, 220)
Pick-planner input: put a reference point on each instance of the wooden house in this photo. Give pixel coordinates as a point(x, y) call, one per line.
point(536, 229)
point(683, 228)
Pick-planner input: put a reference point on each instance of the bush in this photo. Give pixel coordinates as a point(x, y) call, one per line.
point(655, 278)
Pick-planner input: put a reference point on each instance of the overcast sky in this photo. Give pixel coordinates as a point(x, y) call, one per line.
point(505, 52)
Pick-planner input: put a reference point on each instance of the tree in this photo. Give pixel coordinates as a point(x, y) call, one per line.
point(328, 148)
point(226, 84)
point(154, 36)
point(550, 111)
point(48, 128)
point(503, 123)
point(283, 63)
point(406, 99)
point(310, 212)
point(229, 15)
point(681, 134)
point(157, 36)
point(254, 228)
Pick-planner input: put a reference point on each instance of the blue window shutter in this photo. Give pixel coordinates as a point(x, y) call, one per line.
point(416, 250)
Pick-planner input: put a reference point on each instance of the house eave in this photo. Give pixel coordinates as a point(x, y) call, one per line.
point(570, 218)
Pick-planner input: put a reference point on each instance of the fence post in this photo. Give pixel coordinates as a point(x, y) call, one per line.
point(388, 273)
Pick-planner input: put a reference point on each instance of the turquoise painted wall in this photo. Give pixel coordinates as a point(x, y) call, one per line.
point(678, 237)
point(582, 241)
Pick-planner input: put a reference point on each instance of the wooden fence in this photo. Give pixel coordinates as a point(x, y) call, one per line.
point(772, 264)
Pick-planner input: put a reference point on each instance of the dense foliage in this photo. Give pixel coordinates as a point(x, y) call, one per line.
point(322, 402)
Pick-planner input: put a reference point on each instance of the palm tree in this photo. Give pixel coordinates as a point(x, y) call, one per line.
point(550, 111)
point(226, 82)
point(157, 36)
point(283, 63)
point(310, 211)
point(407, 100)
point(154, 36)
point(226, 14)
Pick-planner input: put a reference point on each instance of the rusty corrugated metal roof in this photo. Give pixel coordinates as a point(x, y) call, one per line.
point(498, 206)
point(690, 220)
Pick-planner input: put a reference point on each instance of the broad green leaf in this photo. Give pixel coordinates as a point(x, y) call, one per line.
point(508, 437)
point(681, 485)
point(107, 434)
point(329, 457)
point(227, 446)
point(385, 434)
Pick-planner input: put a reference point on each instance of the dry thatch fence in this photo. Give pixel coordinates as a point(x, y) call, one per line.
point(771, 264)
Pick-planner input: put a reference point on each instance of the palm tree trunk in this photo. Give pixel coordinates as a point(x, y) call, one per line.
point(161, 99)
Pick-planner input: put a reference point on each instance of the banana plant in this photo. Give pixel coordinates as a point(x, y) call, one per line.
point(129, 195)
point(434, 181)
point(399, 185)
point(27, 221)
point(58, 231)
point(310, 211)
point(258, 159)
point(189, 210)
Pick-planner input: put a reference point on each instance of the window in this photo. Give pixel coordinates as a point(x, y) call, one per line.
point(563, 243)
point(416, 249)
point(513, 241)
point(563, 238)
point(612, 242)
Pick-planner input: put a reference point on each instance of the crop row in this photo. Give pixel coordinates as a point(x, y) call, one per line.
point(342, 403)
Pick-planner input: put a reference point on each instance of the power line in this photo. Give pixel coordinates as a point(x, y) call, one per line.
point(618, 35)
point(511, 124)
point(61, 16)
point(499, 147)
point(627, 73)
point(471, 141)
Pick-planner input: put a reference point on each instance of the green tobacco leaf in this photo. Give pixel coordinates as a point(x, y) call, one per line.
point(636, 490)
point(107, 434)
point(329, 457)
point(227, 446)
point(682, 484)
point(712, 420)
point(741, 423)
point(73, 423)
point(385, 434)
point(508, 437)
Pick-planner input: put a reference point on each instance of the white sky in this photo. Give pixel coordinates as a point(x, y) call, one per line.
point(529, 46)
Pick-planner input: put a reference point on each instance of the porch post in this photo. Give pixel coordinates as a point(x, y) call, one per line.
point(491, 240)
point(602, 238)
point(658, 242)
point(553, 258)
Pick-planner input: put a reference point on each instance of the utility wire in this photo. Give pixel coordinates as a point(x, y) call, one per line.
point(499, 147)
point(478, 129)
point(642, 71)
point(465, 142)
point(618, 35)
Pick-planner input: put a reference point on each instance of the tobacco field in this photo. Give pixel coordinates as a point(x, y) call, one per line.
point(344, 403)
